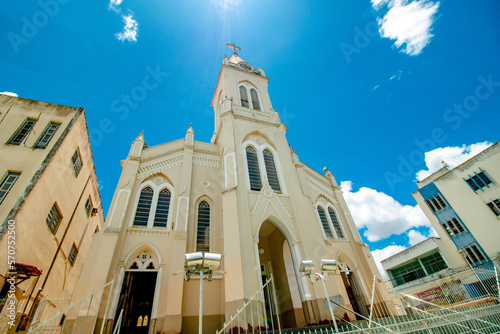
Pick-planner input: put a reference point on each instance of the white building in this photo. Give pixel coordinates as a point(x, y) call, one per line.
point(463, 205)
point(245, 195)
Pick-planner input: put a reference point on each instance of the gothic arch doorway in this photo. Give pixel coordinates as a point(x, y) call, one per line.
point(276, 259)
point(352, 285)
point(137, 293)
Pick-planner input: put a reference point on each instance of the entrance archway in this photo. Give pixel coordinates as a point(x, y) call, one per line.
point(276, 259)
point(352, 285)
point(137, 294)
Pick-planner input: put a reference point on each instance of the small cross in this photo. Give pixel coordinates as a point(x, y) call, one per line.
point(234, 47)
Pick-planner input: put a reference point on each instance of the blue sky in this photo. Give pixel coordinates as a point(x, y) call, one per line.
point(379, 92)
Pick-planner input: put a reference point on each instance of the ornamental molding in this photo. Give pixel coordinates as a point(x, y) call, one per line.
point(322, 190)
point(254, 112)
point(147, 232)
point(203, 161)
point(156, 167)
point(253, 125)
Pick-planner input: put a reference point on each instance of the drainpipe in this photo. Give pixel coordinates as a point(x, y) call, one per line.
point(59, 246)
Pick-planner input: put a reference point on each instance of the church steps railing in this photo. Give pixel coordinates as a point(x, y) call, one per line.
point(243, 321)
point(78, 313)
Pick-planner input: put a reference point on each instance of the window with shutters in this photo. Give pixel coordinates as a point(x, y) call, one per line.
point(255, 99)
point(162, 208)
point(479, 181)
point(76, 161)
point(474, 255)
point(253, 169)
point(47, 135)
point(72, 254)
point(143, 207)
point(335, 223)
point(203, 229)
point(324, 223)
point(53, 218)
point(272, 175)
point(7, 184)
point(493, 205)
point(88, 207)
point(244, 97)
point(22, 132)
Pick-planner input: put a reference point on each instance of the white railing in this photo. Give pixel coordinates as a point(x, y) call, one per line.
point(255, 316)
point(76, 314)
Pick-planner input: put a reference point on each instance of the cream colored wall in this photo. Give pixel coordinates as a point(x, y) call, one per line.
point(471, 207)
point(35, 243)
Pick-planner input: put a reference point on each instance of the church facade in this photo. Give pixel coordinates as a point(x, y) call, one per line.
point(245, 195)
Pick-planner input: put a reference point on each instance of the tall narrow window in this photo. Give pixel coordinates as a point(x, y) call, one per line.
point(88, 207)
point(253, 169)
point(244, 97)
point(72, 254)
point(143, 207)
point(324, 222)
point(161, 215)
point(335, 223)
point(255, 99)
point(7, 183)
point(272, 175)
point(203, 230)
point(21, 133)
point(76, 161)
point(53, 218)
point(47, 135)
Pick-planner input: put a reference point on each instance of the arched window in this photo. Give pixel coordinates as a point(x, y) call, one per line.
point(324, 222)
point(272, 175)
point(161, 215)
point(253, 169)
point(143, 207)
point(244, 97)
point(335, 223)
point(255, 99)
point(203, 230)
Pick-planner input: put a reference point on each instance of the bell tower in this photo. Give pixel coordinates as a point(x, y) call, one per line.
point(241, 85)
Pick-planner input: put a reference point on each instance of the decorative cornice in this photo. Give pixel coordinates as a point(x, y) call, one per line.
point(147, 232)
point(322, 190)
point(254, 112)
point(206, 161)
point(255, 125)
point(153, 168)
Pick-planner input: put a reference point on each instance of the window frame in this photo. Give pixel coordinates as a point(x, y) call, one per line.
point(72, 258)
point(473, 250)
point(55, 212)
point(152, 212)
point(326, 207)
point(11, 185)
point(88, 208)
point(494, 206)
point(20, 129)
point(45, 133)
point(267, 167)
point(248, 87)
point(258, 169)
point(475, 181)
point(77, 167)
point(208, 236)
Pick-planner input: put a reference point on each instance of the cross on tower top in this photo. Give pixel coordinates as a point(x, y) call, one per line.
point(234, 47)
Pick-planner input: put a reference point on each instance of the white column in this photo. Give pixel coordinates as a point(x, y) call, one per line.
point(156, 298)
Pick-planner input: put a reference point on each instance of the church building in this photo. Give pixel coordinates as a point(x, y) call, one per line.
point(244, 195)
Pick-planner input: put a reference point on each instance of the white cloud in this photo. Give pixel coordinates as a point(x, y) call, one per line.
point(415, 237)
point(129, 32)
point(396, 76)
point(451, 155)
point(381, 214)
point(408, 23)
point(9, 93)
point(382, 254)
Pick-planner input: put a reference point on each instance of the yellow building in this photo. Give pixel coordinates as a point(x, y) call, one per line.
point(245, 195)
point(50, 204)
